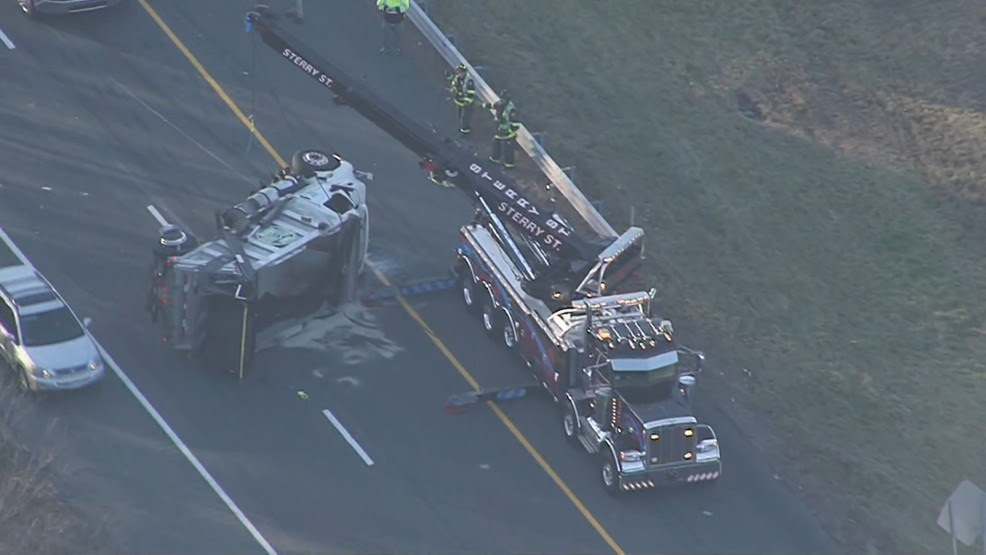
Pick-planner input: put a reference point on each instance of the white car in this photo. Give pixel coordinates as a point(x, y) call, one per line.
point(41, 339)
point(39, 7)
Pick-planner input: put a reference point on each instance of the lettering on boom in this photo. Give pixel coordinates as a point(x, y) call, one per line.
point(525, 214)
point(307, 67)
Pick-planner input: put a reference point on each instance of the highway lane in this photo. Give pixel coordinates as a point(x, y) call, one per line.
point(68, 171)
point(749, 510)
point(78, 211)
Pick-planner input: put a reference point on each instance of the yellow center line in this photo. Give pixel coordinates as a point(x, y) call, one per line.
point(507, 422)
point(212, 82)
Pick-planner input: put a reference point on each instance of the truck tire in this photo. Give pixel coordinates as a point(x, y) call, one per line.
point(467, 291)
point(307, 162)
point(609, 473)
point(570, 424)
point(508, 333)
point(27, 6)
point(490, 317)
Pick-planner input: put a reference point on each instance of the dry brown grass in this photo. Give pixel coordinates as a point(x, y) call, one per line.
point(34, 518)
point(831, 245)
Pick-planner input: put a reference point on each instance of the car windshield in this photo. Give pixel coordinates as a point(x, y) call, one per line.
point(49, 327)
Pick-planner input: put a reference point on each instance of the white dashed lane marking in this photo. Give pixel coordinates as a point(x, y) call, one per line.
point(6, 40)
point(349, 438)
point(157, 215)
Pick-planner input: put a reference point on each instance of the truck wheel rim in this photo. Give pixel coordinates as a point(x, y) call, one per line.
point(315, 158)
point(569, 425)
point(508, 335)
point(608, 473)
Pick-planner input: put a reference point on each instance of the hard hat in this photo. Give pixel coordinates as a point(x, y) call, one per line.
point(460, 67)
point(172, 236)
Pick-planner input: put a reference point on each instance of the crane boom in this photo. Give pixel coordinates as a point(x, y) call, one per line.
point(440, 155)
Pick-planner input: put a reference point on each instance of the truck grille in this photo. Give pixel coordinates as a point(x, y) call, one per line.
point(672, 444)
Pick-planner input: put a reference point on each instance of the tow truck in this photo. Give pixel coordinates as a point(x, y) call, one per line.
point(554, 298)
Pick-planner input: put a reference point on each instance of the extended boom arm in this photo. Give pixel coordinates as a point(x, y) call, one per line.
point(439, 154)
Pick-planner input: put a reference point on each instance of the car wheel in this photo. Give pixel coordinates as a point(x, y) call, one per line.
point(23, 382)
point(306, 162)
point(489, 317)
point(609, 473)
point(570, 424)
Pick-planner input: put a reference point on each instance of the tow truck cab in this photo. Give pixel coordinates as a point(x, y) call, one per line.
point(631, 406)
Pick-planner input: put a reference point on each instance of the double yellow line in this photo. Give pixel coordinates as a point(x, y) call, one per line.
point(507, 422)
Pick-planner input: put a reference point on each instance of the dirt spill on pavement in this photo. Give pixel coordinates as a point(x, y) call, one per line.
point(350, 330)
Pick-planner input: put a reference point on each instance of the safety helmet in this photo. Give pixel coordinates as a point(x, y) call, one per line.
point(172, 236)
point(460, 68)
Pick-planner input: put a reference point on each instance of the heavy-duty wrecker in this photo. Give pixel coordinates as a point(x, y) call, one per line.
point(556, 300)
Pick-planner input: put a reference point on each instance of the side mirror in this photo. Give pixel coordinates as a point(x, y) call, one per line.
point(86, 321)
point(652, 293)
point(687, 381)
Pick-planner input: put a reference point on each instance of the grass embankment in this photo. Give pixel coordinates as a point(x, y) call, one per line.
point(829, 241)
point(33, 517)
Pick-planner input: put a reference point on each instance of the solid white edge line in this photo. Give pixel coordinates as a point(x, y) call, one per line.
point(165, 427)
point(349, 439)
point(157, 214)
point(6, 40)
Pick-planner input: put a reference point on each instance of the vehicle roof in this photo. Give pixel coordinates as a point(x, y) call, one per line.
point(26, 288)
point(40, 307)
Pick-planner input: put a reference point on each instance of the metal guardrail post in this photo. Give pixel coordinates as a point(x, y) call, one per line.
point(534, 150)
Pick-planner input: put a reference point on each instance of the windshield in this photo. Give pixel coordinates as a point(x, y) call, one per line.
point(645, 379)
point(637, 378)
point(49, 327)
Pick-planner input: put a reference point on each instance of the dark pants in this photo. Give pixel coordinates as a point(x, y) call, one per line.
point(465, 117)
point(392, 33)
point(503, 151)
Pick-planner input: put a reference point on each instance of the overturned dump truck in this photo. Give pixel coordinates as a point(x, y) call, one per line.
point(302, 238)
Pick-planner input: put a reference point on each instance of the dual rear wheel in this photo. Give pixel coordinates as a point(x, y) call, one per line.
point(478, 300)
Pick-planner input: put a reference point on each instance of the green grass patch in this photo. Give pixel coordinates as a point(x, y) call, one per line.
point(827, 243)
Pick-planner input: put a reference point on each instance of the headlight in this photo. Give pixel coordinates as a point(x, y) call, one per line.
point(96, 364)
point(41, 372)
point(630, 456)
point(706, 450)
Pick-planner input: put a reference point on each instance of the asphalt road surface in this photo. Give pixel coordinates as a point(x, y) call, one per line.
point(102, 115)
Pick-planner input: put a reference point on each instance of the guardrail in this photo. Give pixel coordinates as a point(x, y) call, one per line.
point(525, 139)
